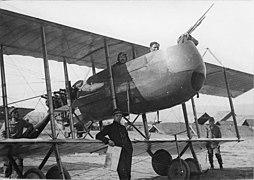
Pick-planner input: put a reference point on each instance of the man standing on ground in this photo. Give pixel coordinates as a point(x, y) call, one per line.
point(118, 136)
point(213, 131)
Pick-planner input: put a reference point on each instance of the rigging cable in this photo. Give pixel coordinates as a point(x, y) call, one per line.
point(23, 77)
point(24, 99)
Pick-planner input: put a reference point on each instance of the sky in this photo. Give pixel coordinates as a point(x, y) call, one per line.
point(228, 31)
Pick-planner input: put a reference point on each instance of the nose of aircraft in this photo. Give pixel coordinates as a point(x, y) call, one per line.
point(186, 58)
point(197, 80)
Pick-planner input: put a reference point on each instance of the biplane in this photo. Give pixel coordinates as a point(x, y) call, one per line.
point(147, 82)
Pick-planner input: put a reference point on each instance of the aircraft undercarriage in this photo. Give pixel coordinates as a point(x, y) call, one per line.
point(162, 161)
point(36, 173)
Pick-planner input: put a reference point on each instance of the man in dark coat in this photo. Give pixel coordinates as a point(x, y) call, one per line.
point(118, 136)
point(213, 131)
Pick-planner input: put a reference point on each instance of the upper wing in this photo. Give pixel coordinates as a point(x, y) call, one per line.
point(21, 35)
point(239, 82)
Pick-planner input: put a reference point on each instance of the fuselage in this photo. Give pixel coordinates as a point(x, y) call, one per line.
point(154, 81)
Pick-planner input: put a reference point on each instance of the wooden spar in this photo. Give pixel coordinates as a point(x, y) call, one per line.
point(49, 93)
point(67, 86)
point(112, 87)
point(195, 116)
point(4, 93)
point(231, 103)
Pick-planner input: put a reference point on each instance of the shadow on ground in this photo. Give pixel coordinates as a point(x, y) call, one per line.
point(226, 173)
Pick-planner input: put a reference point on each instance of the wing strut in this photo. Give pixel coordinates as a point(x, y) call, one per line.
point(112, 87)
point(94, 72)
point(49, 93)
point(231, 104)
point(195, 116)
point(229, 95)
point(67, 86)
point(188, 132)
point(145, 126)
point(4, 92)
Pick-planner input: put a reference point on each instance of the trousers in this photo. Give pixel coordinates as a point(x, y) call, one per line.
point(215, 150)
point(124, 165)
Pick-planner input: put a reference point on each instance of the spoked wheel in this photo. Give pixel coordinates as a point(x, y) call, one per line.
point(34, 173)
point(160, 161)
point(178, 169)
point(53, 173)
point(194, 168)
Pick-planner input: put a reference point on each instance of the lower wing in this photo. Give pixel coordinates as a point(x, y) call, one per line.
point(40, 147)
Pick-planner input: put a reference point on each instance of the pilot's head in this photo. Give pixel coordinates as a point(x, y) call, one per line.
point(122, 58)
point(154, 46)
point(14, 113)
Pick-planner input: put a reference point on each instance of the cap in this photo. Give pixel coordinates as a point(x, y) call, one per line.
point(154, 42)
point(12, 109)
point(116, 111)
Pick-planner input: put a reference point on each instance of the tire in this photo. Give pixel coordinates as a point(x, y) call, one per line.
point(194, 168)
point(34, 173)
point(53, 173)
point(160, 161)
point(178, 170)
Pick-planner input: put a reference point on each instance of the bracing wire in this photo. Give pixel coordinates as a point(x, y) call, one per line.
point(215, 57)
point(23, 77)
point(24, 100)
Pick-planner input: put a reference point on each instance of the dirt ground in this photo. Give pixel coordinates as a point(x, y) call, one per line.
point(238, 161)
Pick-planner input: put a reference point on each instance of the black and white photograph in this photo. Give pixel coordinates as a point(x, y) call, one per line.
point(127, 89)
